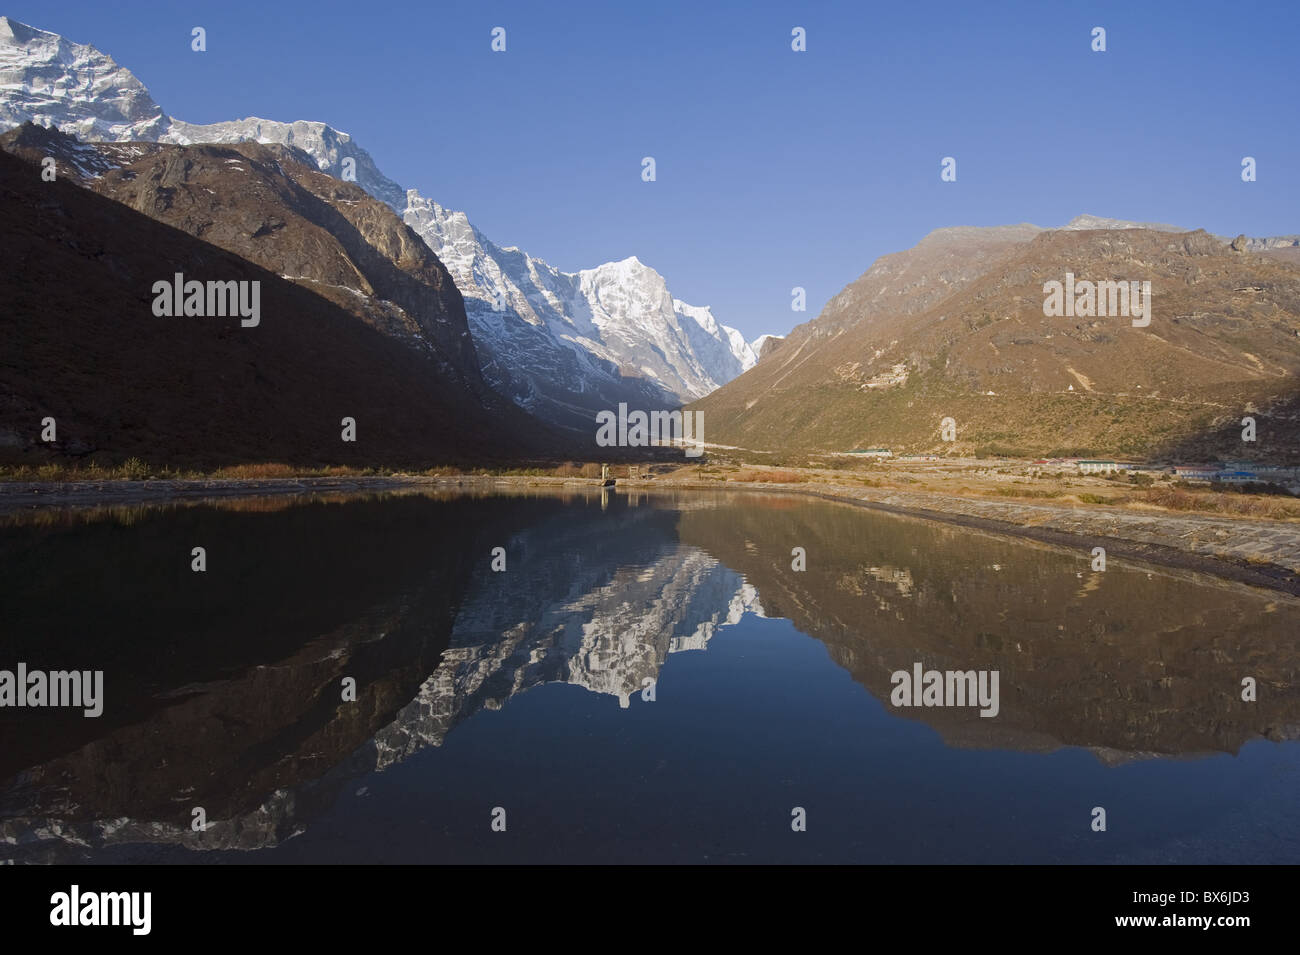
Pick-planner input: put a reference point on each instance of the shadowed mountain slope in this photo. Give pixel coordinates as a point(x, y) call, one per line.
point(84, 347)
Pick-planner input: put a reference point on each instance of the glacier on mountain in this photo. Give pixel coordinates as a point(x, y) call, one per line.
point(561, 344)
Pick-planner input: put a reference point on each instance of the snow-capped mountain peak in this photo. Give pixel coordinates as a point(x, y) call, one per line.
point(325, 144)
point(52, 81)
point(562, 344)
point(617, 324)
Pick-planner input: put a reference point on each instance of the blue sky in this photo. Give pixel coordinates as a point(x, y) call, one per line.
point(775, 168)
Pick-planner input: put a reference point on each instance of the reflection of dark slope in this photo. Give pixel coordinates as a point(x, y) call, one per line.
point(250, 726)
point(1122, 661)
point(123, 598)
point(595, 599)
point(227, 690)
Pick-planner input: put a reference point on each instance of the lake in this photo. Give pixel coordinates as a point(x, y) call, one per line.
point(632, 677)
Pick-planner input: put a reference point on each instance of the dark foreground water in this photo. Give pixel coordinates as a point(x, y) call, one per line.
point(648, 680)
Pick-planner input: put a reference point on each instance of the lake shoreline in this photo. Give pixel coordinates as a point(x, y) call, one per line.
point(1256, 552)
point(1175, 553)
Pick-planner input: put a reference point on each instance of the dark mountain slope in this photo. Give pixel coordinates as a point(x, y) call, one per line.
point(270, 205)
point(81, 344)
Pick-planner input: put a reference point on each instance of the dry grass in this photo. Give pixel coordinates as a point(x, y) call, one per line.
point(577, 469)
point(1027, 492)
point(254, 472)
point(1085, 498)
point(1268, 507)
point(133, 469)
point(751, 476)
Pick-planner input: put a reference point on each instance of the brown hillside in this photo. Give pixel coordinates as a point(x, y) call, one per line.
point(904, 347)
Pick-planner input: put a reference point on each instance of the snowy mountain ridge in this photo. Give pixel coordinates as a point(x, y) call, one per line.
point(562, 344)
point(615, 329)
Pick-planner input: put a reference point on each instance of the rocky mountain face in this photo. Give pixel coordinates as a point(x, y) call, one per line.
point(52, 81)
point(567, 344)
point(269, 205)
point(386, 346)
point(1085, 222)
point(906, 283)
point(1282, 246)
point(328, 147)
point(1241, 243)
point(956, 327)
point(562, 345)
point(764, 345)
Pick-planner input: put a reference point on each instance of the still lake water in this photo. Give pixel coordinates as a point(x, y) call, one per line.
point(525, 690)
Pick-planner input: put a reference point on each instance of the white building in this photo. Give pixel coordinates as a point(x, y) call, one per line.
point(873, 452)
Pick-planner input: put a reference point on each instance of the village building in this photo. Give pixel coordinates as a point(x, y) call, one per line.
point(873, 452)
point(1099, 467)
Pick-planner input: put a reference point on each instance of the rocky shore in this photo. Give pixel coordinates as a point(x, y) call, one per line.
point(1261, 552)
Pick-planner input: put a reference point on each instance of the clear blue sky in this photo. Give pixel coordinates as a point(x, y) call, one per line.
point(775, 168)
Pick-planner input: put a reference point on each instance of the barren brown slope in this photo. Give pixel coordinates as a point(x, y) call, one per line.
point(902, 283)
point(905, 283)
point(1224, 341)
point(81, 345)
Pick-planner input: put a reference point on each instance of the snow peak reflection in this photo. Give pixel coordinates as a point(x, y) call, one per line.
point(215, 299)
point(641, 430)
point(946, 688)
point(84, 688)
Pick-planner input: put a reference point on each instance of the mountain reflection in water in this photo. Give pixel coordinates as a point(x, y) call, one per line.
point(223, 689)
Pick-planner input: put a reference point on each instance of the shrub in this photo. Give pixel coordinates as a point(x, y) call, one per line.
point(576, 469)
point(1174, 498)
point(1094, 499)
point(254, 472)
point(1028, 492)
